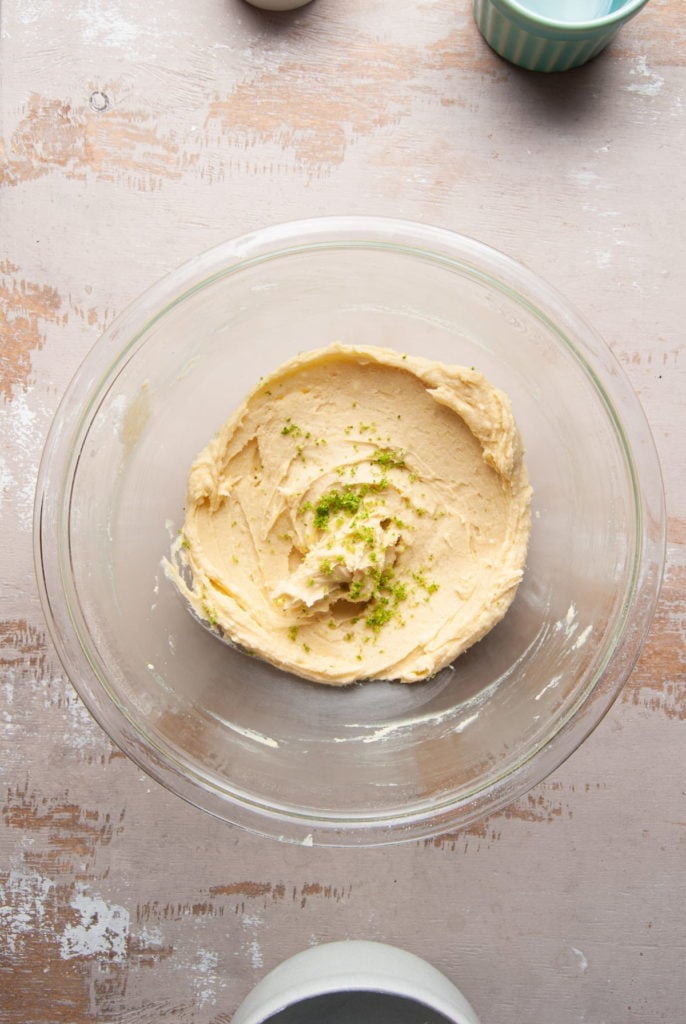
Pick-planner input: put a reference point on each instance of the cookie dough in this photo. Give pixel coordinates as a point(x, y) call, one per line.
point(363, 515)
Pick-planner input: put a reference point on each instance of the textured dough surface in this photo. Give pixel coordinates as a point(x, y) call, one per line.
point(362, 515)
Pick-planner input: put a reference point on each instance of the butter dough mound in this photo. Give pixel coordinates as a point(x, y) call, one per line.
point(363, 515)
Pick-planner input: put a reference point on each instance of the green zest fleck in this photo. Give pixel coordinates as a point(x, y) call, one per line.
point(421, 580)
point(387, 593)
point(365, 534)
point(293, 633)
point(291, 429)
point(380, 615)
point(347, 499)
point(389, 459)
point(210, 614)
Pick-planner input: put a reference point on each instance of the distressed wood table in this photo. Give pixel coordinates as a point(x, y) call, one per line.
point(137, 134)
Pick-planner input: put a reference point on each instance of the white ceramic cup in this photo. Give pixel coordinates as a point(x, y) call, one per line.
point(339, 981)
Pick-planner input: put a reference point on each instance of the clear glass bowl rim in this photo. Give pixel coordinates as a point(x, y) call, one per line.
point(429, 242)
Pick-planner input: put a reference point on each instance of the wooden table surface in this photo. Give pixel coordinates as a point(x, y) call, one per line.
point(137, 134)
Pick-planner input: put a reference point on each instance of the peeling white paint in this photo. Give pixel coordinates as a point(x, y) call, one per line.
point(252, 947)
point(583, 962)
point(650, 83)
point(150, 937)
point(102, 23)
point(205, 977)
point(255, 954)
point(102, 930)
point(6, 478)
point(31, 11)
point(22, 431)
point(22, 906)
point(81, 731)
point(584, 177)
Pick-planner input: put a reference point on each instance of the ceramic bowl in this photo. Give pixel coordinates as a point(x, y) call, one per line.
point(552, 35)
point(353, 982)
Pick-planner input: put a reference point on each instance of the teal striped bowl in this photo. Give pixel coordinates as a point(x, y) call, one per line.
point(539, 43)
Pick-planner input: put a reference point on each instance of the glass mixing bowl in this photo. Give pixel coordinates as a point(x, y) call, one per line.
point(376, 762)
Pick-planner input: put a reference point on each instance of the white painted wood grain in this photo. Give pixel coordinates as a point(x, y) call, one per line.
point(137, 135)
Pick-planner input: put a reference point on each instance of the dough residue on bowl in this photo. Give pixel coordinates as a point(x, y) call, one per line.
point(363, 515)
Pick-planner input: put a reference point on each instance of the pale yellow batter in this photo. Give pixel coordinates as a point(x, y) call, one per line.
point(363, 515)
